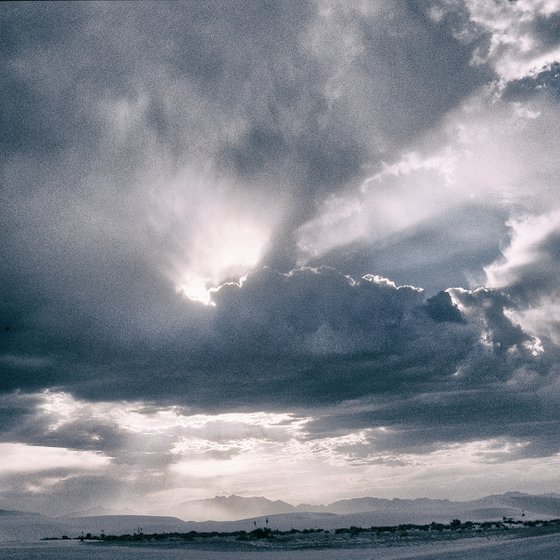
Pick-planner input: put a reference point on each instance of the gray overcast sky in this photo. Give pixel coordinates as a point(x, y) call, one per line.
point(314, 239)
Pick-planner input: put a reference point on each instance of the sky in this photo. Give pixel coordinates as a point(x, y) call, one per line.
point(307, 250)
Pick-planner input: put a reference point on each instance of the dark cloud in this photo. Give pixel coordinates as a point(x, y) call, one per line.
point(37, 24)
point(547, 29)
point(457, 414)
point(245, 86)
point(80, 434)
point(311, 337)
point(15, 410)
point(260, 148)
point(127, 134)
point(446, 250)
point(406, 46)
point(547, 81)
point(191, 83)
point(489, 308)
point(487, 399)
point(440, 308)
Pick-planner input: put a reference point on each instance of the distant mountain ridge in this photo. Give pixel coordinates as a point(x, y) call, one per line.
point(246, 512)
point(357, 505)
point(369, 511)
point(229, 508)
point(510, 504)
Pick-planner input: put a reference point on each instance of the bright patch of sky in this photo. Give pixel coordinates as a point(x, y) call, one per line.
point(259, 453)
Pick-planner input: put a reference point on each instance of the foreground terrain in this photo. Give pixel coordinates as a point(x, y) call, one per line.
point(495, 547)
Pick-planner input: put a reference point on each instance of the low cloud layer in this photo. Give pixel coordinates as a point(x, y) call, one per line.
point(317, 338)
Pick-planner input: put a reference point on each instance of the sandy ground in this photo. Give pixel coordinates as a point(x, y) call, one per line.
point(546, 547)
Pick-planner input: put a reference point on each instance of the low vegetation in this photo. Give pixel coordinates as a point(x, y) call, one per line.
point(351, 536)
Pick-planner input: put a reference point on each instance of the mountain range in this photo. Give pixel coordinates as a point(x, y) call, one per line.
point(232, 513)
point(510, 504)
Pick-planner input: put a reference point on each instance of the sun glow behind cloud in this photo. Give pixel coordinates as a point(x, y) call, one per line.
point(226, 252)
point(210, 231)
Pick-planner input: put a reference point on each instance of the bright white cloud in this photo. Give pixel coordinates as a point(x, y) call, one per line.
point(333, 468)
point(271, 454)
point(529, 271)
point(490, 152)
point(136, 417)
point(400, 196)
point(515, 49)
point(524, 250)
point(18, 458)
point(455, 470)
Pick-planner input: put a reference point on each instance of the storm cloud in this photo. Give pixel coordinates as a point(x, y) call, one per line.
point(257, 226)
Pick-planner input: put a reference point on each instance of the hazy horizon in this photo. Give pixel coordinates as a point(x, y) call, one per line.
point(225, 499)
point(307, 250)
point(361, 510)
